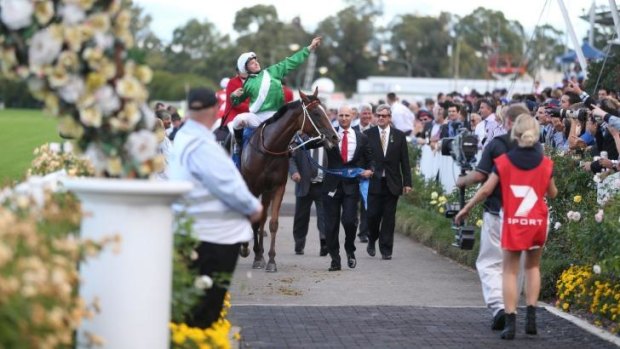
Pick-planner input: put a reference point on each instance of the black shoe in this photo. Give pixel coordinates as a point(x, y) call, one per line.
point(510, 327)
point(299, 252)
point(351, 260)
point(323, 251)
point(499, 320)
point(334, 267)
point(386, 257)
point(371, 250)
point(530, 320)
point(363, 238)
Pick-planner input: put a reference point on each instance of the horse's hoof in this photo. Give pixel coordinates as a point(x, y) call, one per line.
point(244, 251)
point(260, 264)
point(271, 267)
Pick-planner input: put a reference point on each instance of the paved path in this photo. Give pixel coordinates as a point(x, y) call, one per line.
point(416, 300)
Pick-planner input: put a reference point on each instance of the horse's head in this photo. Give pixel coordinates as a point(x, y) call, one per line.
point(320, 124)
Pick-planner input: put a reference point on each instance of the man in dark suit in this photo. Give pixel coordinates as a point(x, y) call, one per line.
point(341, 195)
point(391, 179)
point(365, 118)
point(308, 180)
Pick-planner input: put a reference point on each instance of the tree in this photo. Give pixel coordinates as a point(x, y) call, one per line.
point(346, 48)
point(545, 46)
point(490, 34)
point(421, 43)
point(604, 73)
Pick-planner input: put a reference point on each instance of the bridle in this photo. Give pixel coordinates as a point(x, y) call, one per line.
point(306, 116)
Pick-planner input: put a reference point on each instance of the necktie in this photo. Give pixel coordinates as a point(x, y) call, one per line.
point(344, 148)
point(383, 140)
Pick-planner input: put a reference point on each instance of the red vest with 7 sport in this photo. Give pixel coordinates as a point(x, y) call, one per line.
point(525, 210)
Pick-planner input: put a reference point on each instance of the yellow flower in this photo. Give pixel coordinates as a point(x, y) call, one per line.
point(441, 210)
point(434, 195)
point(43, 11)
point(565, 306)
point(577, 199)
point(91, 117)
point(94, 81)
point(479, 223)
point(99, 22)
point(144, 74)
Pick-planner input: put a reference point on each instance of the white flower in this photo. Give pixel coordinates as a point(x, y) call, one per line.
point(576, 216)
point(193, 255)
point(16, 14)
point(596, 269)
point(599, 216)
point(45, 46)
point(142, 145)
point(104, 41)
point(67, 147)
point(91, 117)
point(96, 157)
point(203, 282)
point(557, 225)
point(106, 100)
point(72, 91)
point(55, 147)
point(72, 14)
point(434, 195)
point(597, 178)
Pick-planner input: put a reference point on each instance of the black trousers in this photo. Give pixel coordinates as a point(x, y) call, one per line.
point(334, 206)
point(363, 225)
point(218, 262)
point(303, 204)
point(382, 218)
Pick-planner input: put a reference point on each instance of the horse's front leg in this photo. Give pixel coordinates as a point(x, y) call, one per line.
point(259, 260)
point(273, 226)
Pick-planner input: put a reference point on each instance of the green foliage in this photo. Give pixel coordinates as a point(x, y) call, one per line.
point(15, 94)
point(168, 86)
point(606, 70)
point(24, 130)
point(184, 294)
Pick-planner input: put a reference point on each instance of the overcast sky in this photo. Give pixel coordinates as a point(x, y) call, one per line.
point(168, 15)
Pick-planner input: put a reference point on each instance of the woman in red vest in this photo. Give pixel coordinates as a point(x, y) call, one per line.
point(525, 176)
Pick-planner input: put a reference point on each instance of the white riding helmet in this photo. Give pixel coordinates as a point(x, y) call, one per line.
point(243, 60)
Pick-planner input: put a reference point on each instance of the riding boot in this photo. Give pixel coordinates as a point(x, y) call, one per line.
point(530, 320)
point(510, 326)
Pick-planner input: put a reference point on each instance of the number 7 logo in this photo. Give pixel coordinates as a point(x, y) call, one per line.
point(529, 199)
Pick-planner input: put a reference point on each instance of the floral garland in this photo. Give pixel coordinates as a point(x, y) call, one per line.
point(72, 54)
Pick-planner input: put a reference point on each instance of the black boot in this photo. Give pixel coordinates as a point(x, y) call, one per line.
point(530, 320)
point(510, 327)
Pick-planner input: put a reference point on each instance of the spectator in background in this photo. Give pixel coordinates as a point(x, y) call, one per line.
point(366, 117)
point(160, 106)
point(474, 120)
point(177, 123)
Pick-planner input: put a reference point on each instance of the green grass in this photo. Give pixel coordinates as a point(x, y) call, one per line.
point(22, 131)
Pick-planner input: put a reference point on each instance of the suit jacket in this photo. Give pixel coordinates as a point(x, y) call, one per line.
point(395, 162)
point(362, 157)
point(299, 162)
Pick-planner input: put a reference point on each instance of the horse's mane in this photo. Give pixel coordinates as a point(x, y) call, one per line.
point(283, 109)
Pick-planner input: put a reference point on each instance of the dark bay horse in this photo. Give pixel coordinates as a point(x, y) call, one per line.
point(264, 163)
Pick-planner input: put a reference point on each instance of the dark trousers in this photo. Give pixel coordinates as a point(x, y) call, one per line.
point(363, 225)
point(303, 204)
point(382, 218)
point(218, 262)
point(334, 206)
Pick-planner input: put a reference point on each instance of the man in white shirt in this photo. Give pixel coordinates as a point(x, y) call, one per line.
point(402, 117)
point(220, 203)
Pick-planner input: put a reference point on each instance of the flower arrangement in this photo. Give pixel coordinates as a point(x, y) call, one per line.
point(39, 255)
point(585, 288)
point(72, 54)
point(54, 157)
point(215, 337)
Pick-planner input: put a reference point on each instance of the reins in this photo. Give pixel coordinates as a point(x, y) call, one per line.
point(306, 115)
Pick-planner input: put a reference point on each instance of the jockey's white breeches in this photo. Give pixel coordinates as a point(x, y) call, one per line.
point(251, 120)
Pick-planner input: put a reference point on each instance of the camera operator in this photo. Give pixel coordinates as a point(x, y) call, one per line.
point(489, 262)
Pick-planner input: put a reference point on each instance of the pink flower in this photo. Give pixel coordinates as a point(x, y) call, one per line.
point(599, 216)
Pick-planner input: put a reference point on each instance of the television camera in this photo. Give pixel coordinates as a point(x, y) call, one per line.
point(463, 149)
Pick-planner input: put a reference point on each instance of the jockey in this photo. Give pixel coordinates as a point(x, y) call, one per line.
point(263, 87)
